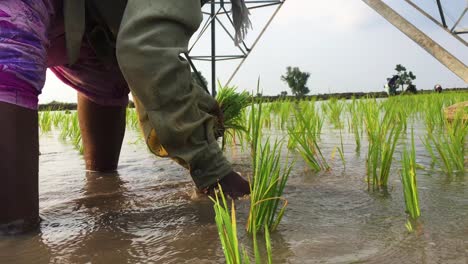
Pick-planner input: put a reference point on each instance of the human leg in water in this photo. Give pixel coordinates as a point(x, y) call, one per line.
point(19, 162)
point(102, 130)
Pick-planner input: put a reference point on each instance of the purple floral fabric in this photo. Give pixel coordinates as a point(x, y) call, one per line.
point(23, 43)
point(32, 39)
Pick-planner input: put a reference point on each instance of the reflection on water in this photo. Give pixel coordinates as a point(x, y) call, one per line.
point(147, 212)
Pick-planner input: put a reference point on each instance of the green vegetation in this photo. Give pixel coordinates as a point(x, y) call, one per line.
point(405, 77)
point(296, 80)
point(232, 105)
point(269, 179)
point(45, 121)
point(267, 186)
point(70, 131)
point(132, 119)
point(383, 135)
point(304, 135)
point(448, 146)
point(409, 181)
point(333, 109)
point(355, 122)
point(401, 79)
point(226, 224)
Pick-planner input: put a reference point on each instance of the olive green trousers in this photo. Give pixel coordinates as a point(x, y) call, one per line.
point(173, 110)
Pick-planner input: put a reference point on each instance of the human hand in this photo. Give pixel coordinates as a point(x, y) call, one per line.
point(233, 185)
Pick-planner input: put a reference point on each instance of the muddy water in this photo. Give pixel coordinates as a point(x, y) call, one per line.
point(148, 213)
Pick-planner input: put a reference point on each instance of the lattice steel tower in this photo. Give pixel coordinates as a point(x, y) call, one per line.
point(216, 14)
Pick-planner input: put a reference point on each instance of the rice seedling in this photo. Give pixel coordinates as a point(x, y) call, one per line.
point(333, 109)
point(267, 186)
point(341, 150)
point(305, 118)
point(383, 136)
point(227, 228)
point(254, 135)
point(284, 114)
point(449, 145)
point(57, 118)
point(226, 223)
point(266, 118)
point(45, 121)
point(409, 182)
point(304, 136)
point(132, 119)
point(269, 179)
point(434, 117)
point(71, 131)
point(232, 105)
point(355, 122)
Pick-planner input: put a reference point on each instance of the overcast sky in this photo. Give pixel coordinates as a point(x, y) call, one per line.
point(344, 44)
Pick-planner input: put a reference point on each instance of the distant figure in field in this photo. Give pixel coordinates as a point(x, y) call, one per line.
point(438, 88)
point(391, 85)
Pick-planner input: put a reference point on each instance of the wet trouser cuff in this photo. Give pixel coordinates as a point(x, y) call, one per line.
point(209, 166)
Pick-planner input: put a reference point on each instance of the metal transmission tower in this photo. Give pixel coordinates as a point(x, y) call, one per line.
point(423, 40)
point(217, 13)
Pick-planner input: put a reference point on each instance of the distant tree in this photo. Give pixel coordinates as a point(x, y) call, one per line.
point(296, 80)
point(411, 89)
point(203, 83)
point(405, 78)
point(284, 94)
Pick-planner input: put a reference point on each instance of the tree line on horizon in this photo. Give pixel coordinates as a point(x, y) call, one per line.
point(296, 79)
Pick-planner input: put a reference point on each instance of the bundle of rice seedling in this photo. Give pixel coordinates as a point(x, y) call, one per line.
point(453, 111)
point(232, 105)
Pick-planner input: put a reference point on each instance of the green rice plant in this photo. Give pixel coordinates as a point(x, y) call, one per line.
point(333, 109)
point(306, 118)
point(254, 129)
point(70, 131)
point(355, 122)
point(409, 182)
point(449, 145)
point(388, 149)
point(267, 119)
point(285, 113)
point(226, 224)
point(399, 105)
point(132, 119)
point(45, 121)
point(269, 179)
point(434, 116)
point(383, 135)
point(304, 135)
point(57, 118)
point(266, 188)
point(227, 228)
point(341, 150)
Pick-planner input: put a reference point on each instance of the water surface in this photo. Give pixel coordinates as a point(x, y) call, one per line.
point(149, 212)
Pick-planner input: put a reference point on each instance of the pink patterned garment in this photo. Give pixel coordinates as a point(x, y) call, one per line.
point(31, 40)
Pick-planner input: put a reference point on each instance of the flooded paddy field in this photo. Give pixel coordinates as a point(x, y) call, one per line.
point(149, 211)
